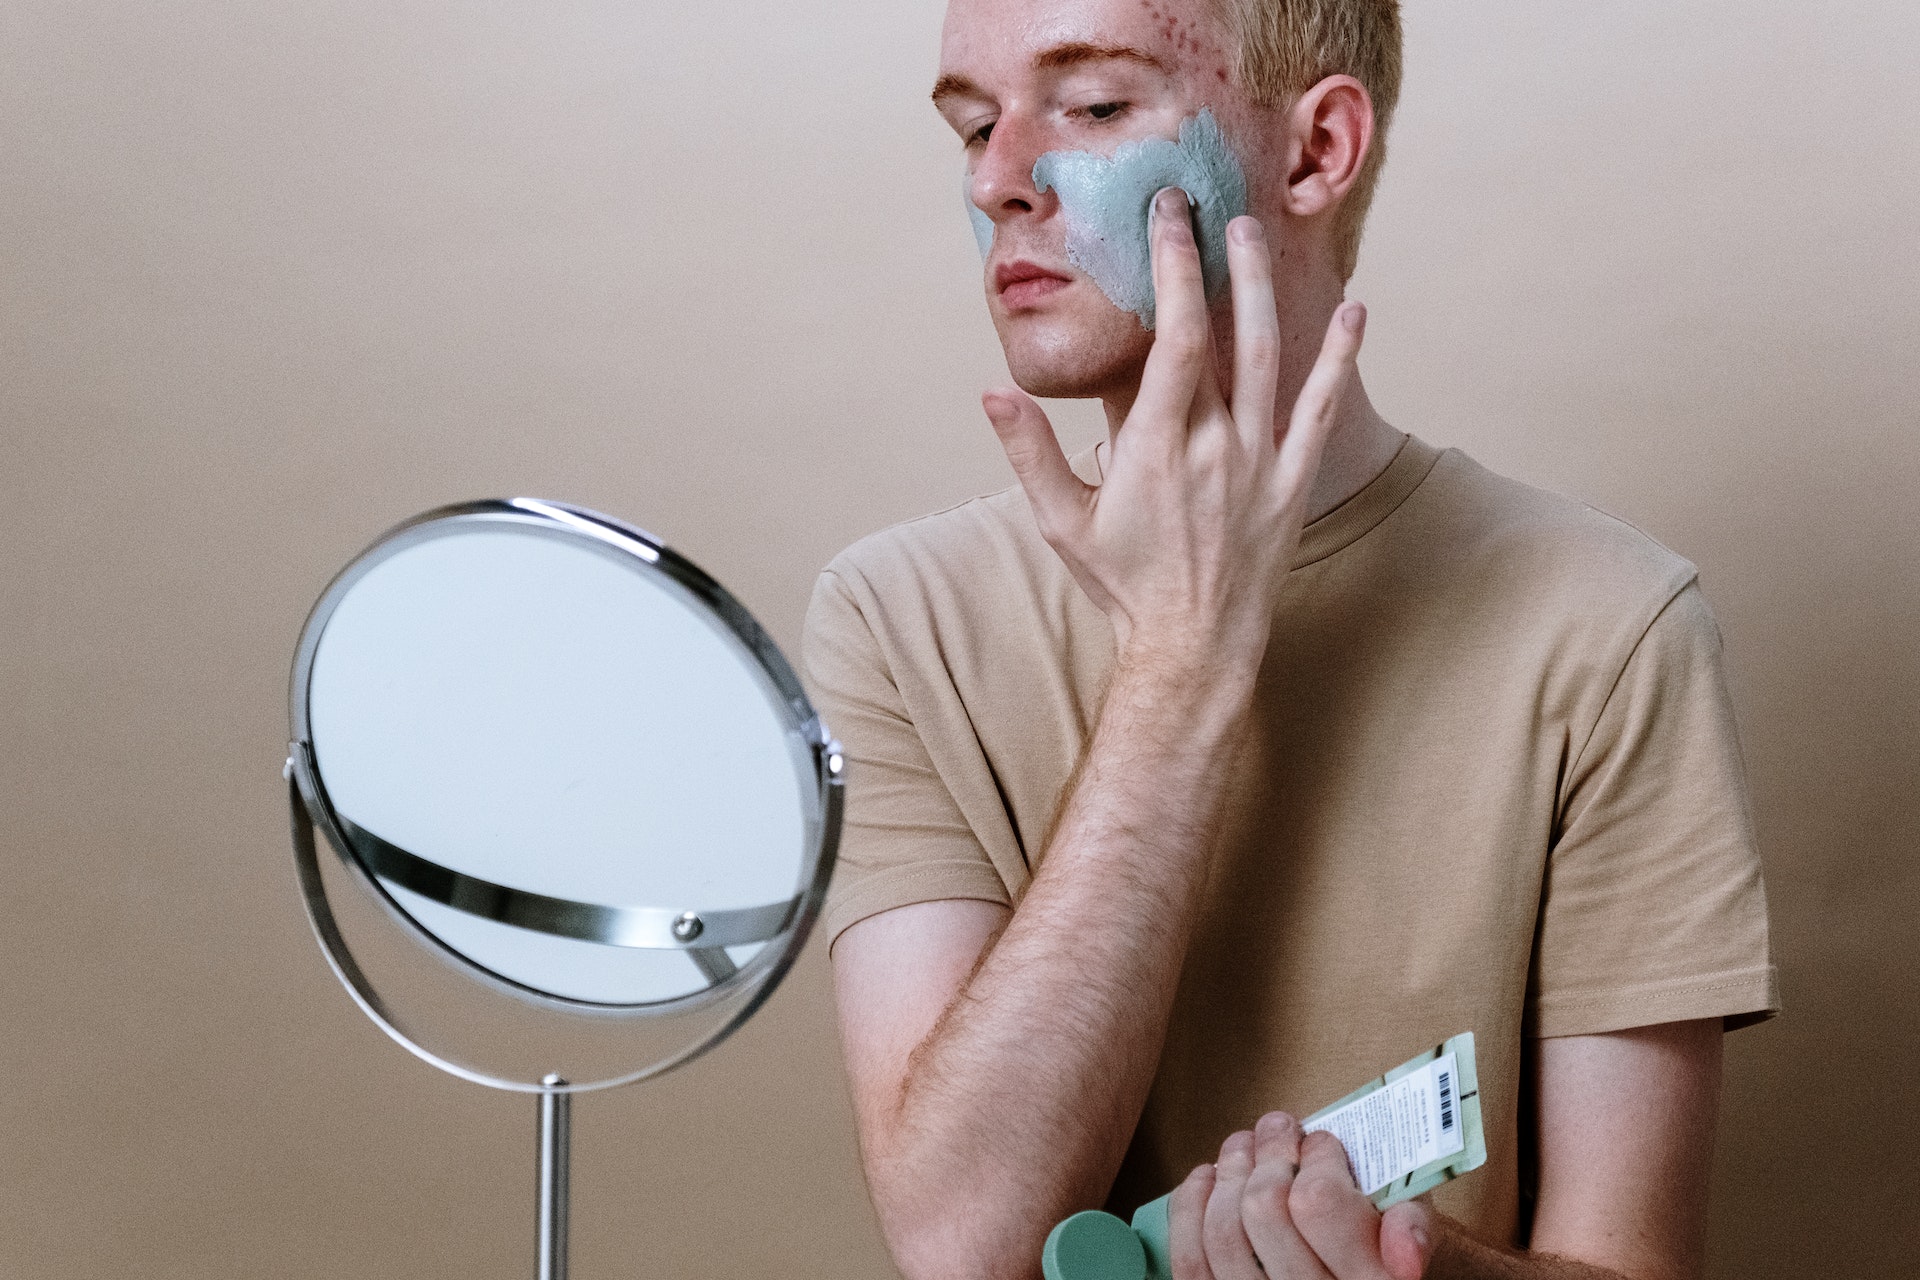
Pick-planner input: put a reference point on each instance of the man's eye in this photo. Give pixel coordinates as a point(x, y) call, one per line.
point(981, 134)
point(1106, 110)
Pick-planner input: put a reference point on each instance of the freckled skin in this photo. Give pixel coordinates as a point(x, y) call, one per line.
point(1077, 343)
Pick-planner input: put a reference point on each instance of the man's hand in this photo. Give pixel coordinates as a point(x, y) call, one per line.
point(1186, 544)
point(1625, 1138)
point(1282, 1205)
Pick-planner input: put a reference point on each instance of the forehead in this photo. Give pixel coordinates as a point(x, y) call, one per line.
point(988, 36)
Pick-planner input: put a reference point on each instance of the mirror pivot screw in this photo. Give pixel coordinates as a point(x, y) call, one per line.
point(688, 926)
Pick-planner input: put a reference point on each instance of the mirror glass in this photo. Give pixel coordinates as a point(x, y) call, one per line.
point(576, 767)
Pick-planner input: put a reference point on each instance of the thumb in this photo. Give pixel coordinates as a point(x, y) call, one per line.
point(1406, 1240)
point(1058, 496)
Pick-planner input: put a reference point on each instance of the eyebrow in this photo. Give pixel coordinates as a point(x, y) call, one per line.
point(952, 86)
point(1072, 54)
point(1077, 52)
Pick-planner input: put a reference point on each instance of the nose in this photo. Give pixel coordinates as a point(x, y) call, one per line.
point(1001, 183)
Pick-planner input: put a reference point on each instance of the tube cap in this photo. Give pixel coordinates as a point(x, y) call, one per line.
point(1093, 1246)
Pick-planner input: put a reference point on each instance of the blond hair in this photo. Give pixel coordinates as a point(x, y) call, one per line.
point(1288, 46)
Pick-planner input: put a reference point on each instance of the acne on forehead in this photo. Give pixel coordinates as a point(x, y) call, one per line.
point(1188, 36)
point(1185, 35)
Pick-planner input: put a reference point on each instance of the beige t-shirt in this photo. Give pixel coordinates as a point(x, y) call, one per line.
point(1494, 786)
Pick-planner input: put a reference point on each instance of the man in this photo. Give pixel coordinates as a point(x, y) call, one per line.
point(1203, 776)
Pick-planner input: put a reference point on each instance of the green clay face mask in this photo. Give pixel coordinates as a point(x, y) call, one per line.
point(982, 224)
point(1107, 202)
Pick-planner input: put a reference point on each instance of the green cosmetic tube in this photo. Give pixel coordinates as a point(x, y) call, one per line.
point(1405, 1132)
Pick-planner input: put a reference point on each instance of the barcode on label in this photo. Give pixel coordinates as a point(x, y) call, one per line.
point(1446, 1102)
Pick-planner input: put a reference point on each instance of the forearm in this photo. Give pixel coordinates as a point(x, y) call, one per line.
point(1021, 1101)
point(1459, 1256)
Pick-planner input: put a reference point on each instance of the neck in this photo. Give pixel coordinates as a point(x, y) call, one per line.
point(1361, 446)
point(1358, 450)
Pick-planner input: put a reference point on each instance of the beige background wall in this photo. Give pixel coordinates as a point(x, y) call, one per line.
point(274, 275)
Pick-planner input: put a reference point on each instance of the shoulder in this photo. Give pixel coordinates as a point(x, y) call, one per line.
point(969, 603)
point(949, 556)
point(1563, 555)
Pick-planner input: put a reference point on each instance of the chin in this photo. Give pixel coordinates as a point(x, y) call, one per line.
point(1071, 352)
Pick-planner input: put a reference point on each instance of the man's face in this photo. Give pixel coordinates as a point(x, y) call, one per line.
point(1019, 78)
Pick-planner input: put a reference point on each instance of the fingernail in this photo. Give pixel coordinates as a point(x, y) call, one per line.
point(1353, 315)
point(1275, 1122)
point(1420, 1237)
point(1170, 212)
point(1245, 230)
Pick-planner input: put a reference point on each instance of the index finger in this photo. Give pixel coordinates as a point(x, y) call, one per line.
point(1185, 1209)
point(1222, 1233)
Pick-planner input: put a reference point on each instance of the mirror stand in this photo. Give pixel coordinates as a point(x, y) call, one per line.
point(556, 1136)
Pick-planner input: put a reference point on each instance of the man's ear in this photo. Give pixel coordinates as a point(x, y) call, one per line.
point(1329, 133)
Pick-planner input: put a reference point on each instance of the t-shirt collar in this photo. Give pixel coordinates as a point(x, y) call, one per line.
point(1343, 525)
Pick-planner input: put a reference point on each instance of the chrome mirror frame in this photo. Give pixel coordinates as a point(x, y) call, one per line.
point(783, 926)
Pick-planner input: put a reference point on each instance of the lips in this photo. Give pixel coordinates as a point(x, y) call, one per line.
point(1023, 282)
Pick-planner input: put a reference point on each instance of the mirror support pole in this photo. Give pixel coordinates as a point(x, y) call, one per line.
point(556, 1126)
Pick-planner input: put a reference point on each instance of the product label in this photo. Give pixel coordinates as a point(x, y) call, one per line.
point(1400, 1126)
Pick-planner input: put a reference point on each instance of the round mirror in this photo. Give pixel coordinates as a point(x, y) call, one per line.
point(566, 762)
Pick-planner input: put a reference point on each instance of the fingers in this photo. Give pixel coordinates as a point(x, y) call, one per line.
point(1060, 499)
point(1264, 1203)
point(1406, 1240)
point(1256, 329)
point(1182, 340)
point(1338, 1223)
point(1185, 1212)
point(1229, 1252)
point(1280, 1203)
point(1318, 405)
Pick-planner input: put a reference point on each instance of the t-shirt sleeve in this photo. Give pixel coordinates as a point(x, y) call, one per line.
point(1654, 909)
point(903, 839)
